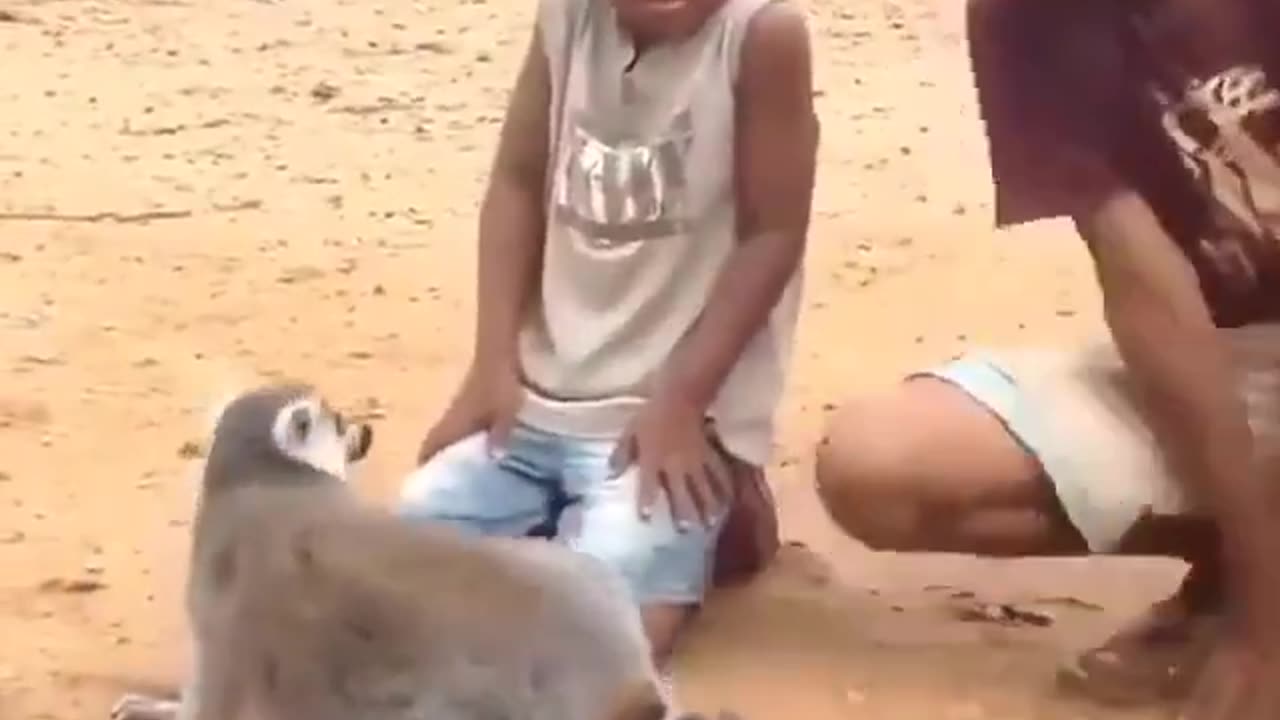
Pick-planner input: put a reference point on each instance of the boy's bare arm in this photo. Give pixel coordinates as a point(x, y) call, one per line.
point(1164, 331)
point(512, 216)
point(777, 136)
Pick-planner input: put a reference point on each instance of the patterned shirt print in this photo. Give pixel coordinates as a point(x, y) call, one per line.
point(1176, 99)
point(616, 195)
point(1227, 131)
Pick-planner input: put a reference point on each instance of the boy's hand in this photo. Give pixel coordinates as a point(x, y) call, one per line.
point(488, 400)
point(669, 443)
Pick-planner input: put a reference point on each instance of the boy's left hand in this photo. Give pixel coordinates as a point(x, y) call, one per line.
point(669, 444)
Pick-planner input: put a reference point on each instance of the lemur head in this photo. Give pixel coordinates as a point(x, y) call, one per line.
point(283, 433)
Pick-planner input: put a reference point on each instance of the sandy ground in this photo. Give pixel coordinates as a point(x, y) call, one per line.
point(194, 194)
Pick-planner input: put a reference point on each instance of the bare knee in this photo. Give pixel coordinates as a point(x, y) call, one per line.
point(925, 467)
point(864, 475)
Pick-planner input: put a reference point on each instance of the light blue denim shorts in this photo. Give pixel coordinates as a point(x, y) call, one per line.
point(517, 492)
point(1074, 409)
point(1068, 409)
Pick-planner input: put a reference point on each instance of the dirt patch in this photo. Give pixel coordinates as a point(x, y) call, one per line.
point(197, 194)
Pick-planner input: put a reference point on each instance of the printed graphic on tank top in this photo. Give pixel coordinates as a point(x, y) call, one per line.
point(617, 195)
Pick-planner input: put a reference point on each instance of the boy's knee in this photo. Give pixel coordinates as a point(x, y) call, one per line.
point(424, 483)
point(421, 495)
point(658, 574)
point(661, 565)
point(448, 483)
point(864, 477)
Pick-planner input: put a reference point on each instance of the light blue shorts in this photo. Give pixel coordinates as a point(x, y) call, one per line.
point(516, 493)
point(989, 380)
point(1070, 410)
point(1074, 409)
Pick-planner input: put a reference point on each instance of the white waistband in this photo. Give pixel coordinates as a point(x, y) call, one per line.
point(604, 418)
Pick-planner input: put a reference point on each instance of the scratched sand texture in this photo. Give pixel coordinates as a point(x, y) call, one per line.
point(195, 193)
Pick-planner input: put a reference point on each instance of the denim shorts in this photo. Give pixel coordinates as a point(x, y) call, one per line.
point(1075, 410)
point(563, 486)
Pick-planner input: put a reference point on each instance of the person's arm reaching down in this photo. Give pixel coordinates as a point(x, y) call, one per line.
point(513, 216)
point(1164, 332)
point(777, 138)
point(776, 144)
point(512, 233)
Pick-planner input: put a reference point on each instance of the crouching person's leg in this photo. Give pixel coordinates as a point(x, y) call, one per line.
point(1038, 456)
point(929, 467)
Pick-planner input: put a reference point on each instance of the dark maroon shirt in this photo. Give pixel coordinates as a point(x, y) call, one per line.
point(1176, 99)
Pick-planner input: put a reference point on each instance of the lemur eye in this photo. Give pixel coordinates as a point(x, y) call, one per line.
point(301, 423)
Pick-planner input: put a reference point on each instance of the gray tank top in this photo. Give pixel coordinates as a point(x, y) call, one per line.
point(641, 217)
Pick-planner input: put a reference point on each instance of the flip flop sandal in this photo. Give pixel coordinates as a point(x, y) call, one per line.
point(1158, 665)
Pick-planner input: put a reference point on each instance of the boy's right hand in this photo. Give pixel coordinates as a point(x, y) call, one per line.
point(488, 401)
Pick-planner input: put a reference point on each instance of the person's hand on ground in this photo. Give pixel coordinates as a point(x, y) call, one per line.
point(1242, 678)
point(1241, 682)
point(669, 443)
point(488, 400)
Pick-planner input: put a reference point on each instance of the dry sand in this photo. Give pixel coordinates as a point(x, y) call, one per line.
point(195, 193)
